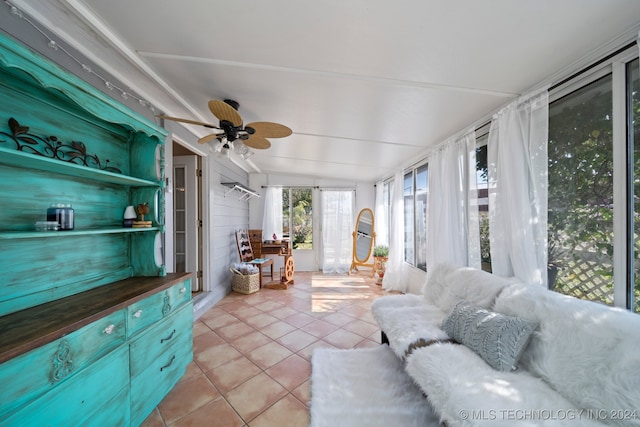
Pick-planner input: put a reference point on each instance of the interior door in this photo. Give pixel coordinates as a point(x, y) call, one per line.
point(186, 221)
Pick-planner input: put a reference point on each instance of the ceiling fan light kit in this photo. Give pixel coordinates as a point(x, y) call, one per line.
point(231, 129)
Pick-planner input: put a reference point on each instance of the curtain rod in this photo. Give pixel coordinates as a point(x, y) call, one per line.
point(291, 186)
point(315, 187)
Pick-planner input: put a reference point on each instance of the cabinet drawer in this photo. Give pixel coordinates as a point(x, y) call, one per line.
point(175, 330)
point(32, 374)
point(159, 358)
point(100, 392)
point(150, 310)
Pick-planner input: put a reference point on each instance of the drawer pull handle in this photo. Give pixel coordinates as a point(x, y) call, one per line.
point(109, 329)
point(169, 337)
point(137, 314)
point(168, 364)
point(183, 290)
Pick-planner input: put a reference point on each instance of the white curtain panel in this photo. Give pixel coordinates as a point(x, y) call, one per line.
point(381, 222)
point(337, 228)
point(452, 212)
point(394, 279)
point(272, 218)
point(517, 161)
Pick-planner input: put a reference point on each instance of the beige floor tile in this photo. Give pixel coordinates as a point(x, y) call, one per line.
point(269, 305)
point(248, 342)
point(254, 396)
point(291, 372)
point(205, 341)
point(303, 392)
point(277, 329)
point(343, 339)
point(288, 411)
point(247, 312)
point(230, 375)
point(187, 397)
point(220, 321)
point(319, 328)
point(261, 320)
point(235, 330)
point(269, 354)
point(283, 312)
point(364, 329)
point(307, 352)
point(215, 414)
point(337, 319)
point(299, 319)
point(200, 328)
point(216, 356)
point(296, 340)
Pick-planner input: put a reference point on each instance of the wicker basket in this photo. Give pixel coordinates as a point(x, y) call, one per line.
point(245, 283)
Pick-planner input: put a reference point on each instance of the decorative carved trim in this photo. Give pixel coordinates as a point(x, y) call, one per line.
point(166, 306)
point(62, 362)
point(51, 147)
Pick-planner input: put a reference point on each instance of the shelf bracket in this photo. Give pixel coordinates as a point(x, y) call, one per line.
point(245, 192)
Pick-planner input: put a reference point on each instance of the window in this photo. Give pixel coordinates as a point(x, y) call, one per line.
point(633, 112)
point(415, 217)
point(594, 186)
point(297, 211)
point(482, 182)
point(580, 234)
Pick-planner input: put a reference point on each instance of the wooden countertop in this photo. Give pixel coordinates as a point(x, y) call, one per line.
point(31, 328)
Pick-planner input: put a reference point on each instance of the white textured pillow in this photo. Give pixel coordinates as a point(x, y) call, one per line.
point(497, 338)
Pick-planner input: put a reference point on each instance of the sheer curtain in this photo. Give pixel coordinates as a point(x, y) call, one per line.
point(337, 226)
point(381, 223)
point(517, 161)
point(272, 218)
point(452, 220)
point(394, 279)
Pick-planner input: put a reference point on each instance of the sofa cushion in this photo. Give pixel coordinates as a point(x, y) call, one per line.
point(465, 391)
point(497, 338)
point(446, 285)
point(587, 351)
point(407, 320)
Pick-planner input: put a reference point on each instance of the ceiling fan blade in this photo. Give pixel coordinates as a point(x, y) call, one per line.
point(224, 111)
point(207, 138)
point(257, 142)
point(270, 130)
point(192, 122)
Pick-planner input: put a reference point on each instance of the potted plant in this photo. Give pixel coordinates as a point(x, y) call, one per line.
point(380, 256)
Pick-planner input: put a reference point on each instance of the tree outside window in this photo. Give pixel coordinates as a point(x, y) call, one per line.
point(297, 209)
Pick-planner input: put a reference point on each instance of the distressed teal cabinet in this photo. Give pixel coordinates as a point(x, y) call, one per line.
point(92, 329)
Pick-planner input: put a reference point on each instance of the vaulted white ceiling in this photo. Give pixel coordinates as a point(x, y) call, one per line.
point(366, 85)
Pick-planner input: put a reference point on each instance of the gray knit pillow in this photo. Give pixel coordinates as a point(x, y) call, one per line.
point(497, 338)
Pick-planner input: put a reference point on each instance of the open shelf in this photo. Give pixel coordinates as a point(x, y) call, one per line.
point(31, 161)
point(69, 233)
point(245, 192)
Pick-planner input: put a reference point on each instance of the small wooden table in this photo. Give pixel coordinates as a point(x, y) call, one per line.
point(260, 263)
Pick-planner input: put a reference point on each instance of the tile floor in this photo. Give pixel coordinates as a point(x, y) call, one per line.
point(252, 353)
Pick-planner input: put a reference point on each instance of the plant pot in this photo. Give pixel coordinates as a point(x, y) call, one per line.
point(380, 266)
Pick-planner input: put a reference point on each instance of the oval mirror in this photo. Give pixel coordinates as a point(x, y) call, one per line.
point(364, 236)
point(364, 239)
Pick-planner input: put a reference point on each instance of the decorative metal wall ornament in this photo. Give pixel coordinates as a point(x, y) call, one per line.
point(52, 147)
point(62, 362)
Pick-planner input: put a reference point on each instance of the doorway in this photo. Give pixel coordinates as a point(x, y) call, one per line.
point(187, 214)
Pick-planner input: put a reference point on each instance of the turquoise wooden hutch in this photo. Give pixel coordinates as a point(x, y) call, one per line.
point(93, 331)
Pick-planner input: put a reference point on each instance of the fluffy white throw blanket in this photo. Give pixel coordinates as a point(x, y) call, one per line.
point(468, 392)
point(365, 387)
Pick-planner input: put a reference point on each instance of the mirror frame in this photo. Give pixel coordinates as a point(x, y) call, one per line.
point(355, 261)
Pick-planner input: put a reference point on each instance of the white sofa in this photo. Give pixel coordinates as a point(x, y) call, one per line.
point(581, 366)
